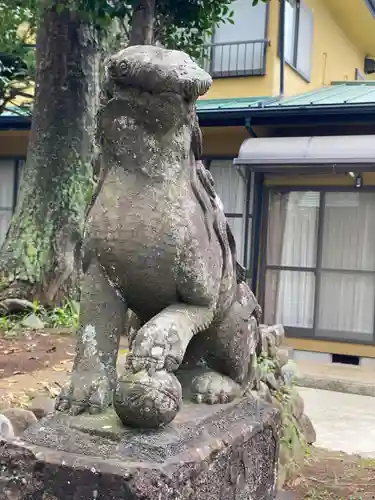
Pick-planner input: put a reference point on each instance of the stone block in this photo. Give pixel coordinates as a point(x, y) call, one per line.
point(20, 419)
point(223, 452)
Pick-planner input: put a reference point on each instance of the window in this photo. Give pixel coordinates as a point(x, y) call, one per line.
point(239, 48)
point(299, 35)
point(231, 184)
point(320, 264)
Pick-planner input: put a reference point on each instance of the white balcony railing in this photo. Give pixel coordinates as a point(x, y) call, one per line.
point(235, 58)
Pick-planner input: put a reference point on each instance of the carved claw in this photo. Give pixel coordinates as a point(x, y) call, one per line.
point(213, 388)
point(86, 391)
point(212, 399)
point(155, 348)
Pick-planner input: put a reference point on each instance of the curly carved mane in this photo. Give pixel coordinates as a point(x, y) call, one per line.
point(204, 190)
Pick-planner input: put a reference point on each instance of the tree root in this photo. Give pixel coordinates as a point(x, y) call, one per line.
point(17, 297)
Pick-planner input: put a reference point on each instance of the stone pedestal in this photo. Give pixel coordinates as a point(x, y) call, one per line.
point(224, 452)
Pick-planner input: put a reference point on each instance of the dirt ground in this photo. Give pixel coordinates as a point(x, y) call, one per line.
point(35, 363)
point(328, 475)
point(32, 364)
point(30, 351)
point(38, 363)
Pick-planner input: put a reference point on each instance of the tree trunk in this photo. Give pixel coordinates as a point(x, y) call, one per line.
point(40, 257)
point(142, 28)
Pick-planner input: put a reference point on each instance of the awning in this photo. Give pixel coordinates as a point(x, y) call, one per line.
point(326, 154)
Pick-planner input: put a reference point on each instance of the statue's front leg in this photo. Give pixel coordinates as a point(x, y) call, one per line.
point(102, 316)
point(162, 342)
point(149, 394)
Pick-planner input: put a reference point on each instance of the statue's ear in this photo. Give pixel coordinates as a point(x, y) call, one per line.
point(196, 139)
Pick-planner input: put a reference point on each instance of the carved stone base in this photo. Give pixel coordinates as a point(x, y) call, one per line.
point(225, 452)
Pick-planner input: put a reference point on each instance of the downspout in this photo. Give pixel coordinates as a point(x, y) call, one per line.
point(282, 47)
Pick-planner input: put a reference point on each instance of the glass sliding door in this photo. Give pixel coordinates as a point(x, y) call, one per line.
point(291, 259)
point(320, 264)
point(347, 281)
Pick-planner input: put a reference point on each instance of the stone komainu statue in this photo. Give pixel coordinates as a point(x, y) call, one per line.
point(158, 243)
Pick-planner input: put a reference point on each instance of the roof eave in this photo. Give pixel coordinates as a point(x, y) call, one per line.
point(15, 122)
point(302, 112)
point(306, 168)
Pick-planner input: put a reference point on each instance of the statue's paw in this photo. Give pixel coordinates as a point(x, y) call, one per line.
point(213, 388)
point(155, 348)
point(86, 392)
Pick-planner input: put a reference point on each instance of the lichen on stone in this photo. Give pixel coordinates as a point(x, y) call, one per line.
point(274, 385)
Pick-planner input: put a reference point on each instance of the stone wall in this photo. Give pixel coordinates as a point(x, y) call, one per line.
point(274, 384)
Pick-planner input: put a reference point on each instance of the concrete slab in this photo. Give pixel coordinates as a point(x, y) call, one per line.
point(336, 377)
point(343, 422)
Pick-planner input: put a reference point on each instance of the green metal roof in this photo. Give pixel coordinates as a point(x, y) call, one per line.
point(340, 98)
point(14, 111)
point(232, 103)
point(337, 94)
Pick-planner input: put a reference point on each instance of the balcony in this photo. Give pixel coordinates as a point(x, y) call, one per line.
point(231, 59)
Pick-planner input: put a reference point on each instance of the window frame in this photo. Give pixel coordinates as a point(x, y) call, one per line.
point(318, 269)
point(294, 64)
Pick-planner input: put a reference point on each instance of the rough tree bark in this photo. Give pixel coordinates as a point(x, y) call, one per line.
point(40, 256)
point(142, 26)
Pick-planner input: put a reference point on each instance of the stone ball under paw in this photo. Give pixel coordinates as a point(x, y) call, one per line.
point(147, 401)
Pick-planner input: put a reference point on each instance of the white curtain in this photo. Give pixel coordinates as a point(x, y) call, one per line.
point(231, 186)
point(347, 299)
point(6, 183)
point(7, 170)
point(347, 286)
point(290, 293)
point(237, 226)
point(5, 217)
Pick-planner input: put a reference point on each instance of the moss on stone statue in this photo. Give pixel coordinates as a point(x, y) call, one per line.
point(275, 386)
point(293, 444)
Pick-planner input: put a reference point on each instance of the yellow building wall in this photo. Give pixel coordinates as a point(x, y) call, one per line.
point(13, 143)
point(339, 47)
point(223, 141)
point(318, 180)
point(250, 86)
point(335, 55)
